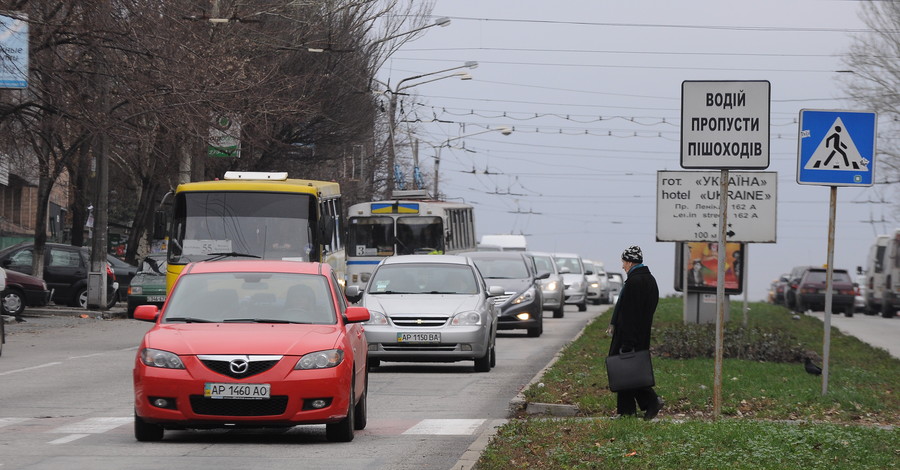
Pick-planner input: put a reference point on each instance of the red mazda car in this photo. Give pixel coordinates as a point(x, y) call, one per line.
point(252, 343)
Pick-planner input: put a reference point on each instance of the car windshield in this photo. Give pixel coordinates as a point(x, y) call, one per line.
point(421, 278)
point(818, 277)
point(502, 268)
point(251, 297)
point(543, 264)
point(571, 263)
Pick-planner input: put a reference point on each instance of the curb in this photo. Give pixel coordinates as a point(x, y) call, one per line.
point(469, 459)
point(59, 310)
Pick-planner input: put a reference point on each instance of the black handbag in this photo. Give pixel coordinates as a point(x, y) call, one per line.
point(631, 370)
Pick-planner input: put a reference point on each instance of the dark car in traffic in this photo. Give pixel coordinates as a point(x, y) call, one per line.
point(812, 289)
point(66, 270)
point(521, 306)
point(22, 291)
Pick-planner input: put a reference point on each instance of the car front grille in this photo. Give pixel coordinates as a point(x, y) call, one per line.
point(253, 368)
point(428, 322)
point(230, 407)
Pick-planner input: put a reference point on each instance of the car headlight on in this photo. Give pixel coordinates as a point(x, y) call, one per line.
point(595, 285)
point(526, 296)
point(376, 318)
point(466, 319)
point(320, 360)
point(553, 285)
point(162, 359)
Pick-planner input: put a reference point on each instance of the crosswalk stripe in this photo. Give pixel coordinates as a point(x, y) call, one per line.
point(92, 426)
point(11, 421)
point(445, 427)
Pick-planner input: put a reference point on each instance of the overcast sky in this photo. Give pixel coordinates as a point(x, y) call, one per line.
point(593, 91)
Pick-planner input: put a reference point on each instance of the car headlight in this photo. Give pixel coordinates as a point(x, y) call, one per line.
point(576, 285)
point(135, 290)
point(594, 285)
point(162, 359)
point(320, 360)
point(376, 318)
point(553, 285)
point(526, 296)
point(466, 319)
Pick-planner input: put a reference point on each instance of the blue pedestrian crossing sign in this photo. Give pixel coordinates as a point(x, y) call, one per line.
point(836, 148)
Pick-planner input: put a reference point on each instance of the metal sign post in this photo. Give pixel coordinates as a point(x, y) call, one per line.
point(720, 294)
point(724, 125)
point(835, 148)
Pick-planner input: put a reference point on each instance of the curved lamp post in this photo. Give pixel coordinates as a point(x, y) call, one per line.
point(392, 109)
point(437, 151)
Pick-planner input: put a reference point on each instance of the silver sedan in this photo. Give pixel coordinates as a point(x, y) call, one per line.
point(429, 308)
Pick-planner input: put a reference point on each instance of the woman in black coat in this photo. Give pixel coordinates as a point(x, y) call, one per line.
point(630, 328)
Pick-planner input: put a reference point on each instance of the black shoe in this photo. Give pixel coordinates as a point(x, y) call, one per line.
point(654, 410)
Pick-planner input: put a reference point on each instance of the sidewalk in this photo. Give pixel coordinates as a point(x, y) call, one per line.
point(117, 311)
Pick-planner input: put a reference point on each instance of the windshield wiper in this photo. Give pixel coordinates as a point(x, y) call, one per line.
point(188, 320)
point(262, 320)
point(230, 254)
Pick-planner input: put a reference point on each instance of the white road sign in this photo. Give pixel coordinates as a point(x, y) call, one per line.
point(725, 124)
point(687, 206)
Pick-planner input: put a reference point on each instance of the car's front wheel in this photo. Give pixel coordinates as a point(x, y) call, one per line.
point(12, 302)
point(147, 432)
point(582, 306)
point(342, 431)
point(483, 364)
point(559, 312)
point(360, 418)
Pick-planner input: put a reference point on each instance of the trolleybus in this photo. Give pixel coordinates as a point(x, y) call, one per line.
point(409, 224)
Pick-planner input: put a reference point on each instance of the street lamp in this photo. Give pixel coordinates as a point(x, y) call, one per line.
point(392, 109)
point(437, 151)
point(442, 21)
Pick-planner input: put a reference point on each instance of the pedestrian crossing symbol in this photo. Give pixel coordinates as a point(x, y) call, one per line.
point(837, 151)
point(836, 148)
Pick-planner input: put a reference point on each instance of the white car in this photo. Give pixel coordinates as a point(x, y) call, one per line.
point(572, 269)
point(551, 287)
point(429, 308)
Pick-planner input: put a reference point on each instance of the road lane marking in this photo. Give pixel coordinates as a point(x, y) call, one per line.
point(49, 364)
point(11, 421)
point(68, 439)
point(92, 425)
point(446, 427)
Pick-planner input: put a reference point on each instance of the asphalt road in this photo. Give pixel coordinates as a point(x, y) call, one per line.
point(873, 329)
point(66, 403)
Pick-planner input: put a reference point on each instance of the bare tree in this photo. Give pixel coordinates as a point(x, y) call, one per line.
point(875, 84)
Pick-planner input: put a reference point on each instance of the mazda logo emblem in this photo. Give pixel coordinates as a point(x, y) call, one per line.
point(239, 366)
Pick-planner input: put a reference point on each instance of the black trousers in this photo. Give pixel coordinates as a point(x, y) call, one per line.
point(625, 401)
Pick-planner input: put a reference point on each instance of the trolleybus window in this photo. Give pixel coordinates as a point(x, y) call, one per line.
point(420, 235)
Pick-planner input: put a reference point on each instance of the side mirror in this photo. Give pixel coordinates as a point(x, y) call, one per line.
point(494, 291)
point(160, 223)
point(353, 293)
point(146, 313)
point(543, 275)
point(356, 314)
point(588, 272)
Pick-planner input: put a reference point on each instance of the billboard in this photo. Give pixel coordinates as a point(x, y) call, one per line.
point(702, 265)
point(14, 51)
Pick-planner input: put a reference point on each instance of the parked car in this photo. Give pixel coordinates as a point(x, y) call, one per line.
point(66, 270)
point(780, 286)
point(859, 301)
point(429, 308)
point(811, 291)
point(791, 286)
point(615, 286)
point(552, 286)
point(883, 275)
point(572, 269)
point(522, 303)
point(22, 291)
point(124, 274)
point(148, 286)
point(252, 343)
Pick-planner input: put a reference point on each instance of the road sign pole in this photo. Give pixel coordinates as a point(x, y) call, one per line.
point(829, 274)
point(720, 292)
